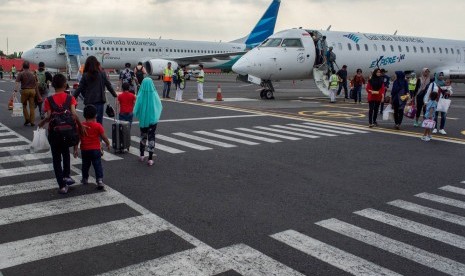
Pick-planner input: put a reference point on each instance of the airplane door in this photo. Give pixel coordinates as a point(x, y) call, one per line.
point(61, 45)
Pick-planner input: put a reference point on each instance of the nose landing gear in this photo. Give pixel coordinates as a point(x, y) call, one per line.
point(267, 92)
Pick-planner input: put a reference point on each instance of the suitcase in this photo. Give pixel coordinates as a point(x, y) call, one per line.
point(120, 136)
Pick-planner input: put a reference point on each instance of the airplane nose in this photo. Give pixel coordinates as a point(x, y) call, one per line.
point(28, 56)
point(240, 67)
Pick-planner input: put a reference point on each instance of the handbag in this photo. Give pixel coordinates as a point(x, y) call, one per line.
point(428, 123)
point(410, 111)
point(110, 111)
point(388, 113)
point(40, 141)
point(443, 105)
point(17, 107)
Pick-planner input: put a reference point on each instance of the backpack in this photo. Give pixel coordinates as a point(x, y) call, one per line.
point(41, 81)
point(62, 126)
point(140, 74)
point(126, 76)
point(176, 79)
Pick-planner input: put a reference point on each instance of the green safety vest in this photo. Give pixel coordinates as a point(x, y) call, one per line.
point(412, 84)
point(201, 80)
point(13, 69)
point(168, 74)
point(334, 82)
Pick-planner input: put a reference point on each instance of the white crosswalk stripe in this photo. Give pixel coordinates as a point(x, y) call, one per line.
point(27, 187)
point(157, 146)
point(286, 137)
point(254, 137)
point(288, 132)
point(453, 189)
point(331, 255)
point(227, 138)
point(322, 129)
point(9, 140)
point(26, 170)
point(205, 140)
point(15, 148)
point(414, 227)
point(3, 134)
point(335, 127)
point(24, 157)
point(305, 131)
point(410, 252)
point(443, 200)
point(182, 143)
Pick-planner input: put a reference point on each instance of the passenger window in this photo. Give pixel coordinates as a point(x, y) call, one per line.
point(440, 50)
point(81, 47)
point(414, 49)
point(115, 49)
point(452, 50)
point(349, 46)
point(339, 46)
point(111, 49)
point(357, 46)
point(407, 48)
point(400, 48)
point(366, 47)
point(141, 49)
point(272, 42)
point(427, 49)
point(392, 48)
point(384, 48)
point(292, 42)
point(121, 49)
point(447, 51)
point(375, 47)
point(421, 49)
point(434, 50)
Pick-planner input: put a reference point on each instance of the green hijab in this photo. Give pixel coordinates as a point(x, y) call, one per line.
point(148, 105)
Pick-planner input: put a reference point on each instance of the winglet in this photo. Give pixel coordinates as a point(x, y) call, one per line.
point(265, 26)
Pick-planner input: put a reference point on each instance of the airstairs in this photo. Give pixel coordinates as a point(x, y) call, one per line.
point(321, 78)
point(70, 47)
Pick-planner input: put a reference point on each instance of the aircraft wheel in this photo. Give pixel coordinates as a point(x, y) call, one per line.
point(262, 94)
point(269, 95)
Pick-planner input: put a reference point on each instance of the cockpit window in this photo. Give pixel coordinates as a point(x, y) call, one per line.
point(292, 42)
point(271, 42)
point(44, 46)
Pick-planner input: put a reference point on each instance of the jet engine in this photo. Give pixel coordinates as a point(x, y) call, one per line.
point(155, 67)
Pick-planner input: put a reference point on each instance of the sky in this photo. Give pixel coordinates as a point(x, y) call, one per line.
point(27, 22)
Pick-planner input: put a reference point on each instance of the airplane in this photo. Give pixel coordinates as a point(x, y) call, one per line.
point(291, 55)
point(71, 51)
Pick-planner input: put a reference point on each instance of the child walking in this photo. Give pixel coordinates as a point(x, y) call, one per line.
point(90, 146)
point(126, 101)
point(430, 114)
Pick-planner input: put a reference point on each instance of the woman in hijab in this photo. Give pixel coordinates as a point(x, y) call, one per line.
point(422, 86)
point(92, 86)
point(444, 90)
point(148, 109)
point(375, 89)
point(399, 97)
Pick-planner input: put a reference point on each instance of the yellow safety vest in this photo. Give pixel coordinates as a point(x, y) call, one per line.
point(334, 82)
point(13, 69)
point(168, 74)
point(201, 74)
point(412, 84)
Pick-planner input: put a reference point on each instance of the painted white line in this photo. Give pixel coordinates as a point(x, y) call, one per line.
point(15, 148)
point(3, 134)
point(213, 100)
point(26, 170)
point(443, 200)
point(227, 138)
point(205, 140)
point(193, 262)
point(331, 255)
point(414, 227)
point(453, 189)
point(182, 143)
point(1, 90)
point(250, 262)
point(210, 118)
point(463, 182)
point(305, 131)
point(407, 251)
point(335, 127)
point(322, 129)
point(288, 132)
point(10, 140)
point(269, 134)
point(445, 216)
point(157, 146)
point(47, 246)
point(259, 138)
point(25, 157)
point(57, 207)
point(28, 187)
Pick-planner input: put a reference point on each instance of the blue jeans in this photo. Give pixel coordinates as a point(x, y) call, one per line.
point(92, 157)
point(100, 107)
point(358, 93)
point(126, 117)
point(443, 119)
point(166, 89)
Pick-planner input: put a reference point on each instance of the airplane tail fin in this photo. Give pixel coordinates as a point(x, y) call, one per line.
point(264, 27)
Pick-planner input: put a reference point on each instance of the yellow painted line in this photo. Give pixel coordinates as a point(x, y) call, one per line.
point(332, 114)
point(350, 125)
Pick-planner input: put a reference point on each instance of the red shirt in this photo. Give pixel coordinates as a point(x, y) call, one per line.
point(59, 99)
point(126, 100)
point(91, 141)
point(375, 97)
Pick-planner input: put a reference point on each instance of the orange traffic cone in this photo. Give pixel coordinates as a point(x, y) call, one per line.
point(219, 97)
point(10, 103)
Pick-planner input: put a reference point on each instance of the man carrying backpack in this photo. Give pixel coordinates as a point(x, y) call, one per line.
point(63, 130)
point(140, 73)
point(127, 76)
point(43, 80)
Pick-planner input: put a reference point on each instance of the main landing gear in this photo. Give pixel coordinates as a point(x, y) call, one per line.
point(267, 92)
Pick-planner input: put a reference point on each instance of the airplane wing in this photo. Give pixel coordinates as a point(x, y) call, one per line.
point(207, 57)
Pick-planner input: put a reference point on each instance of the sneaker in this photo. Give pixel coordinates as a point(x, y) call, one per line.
point(63, 190)
point(371, 125)
point(68, 181)
point(435, 131)
point(375, 124)
point(415, 124)
point(84, 181)
point(33, 125)
point(430, 137)
point(141, 158)
point(150, 162)
point(423, 138)
point(100, 185)
point(443, 132)
point(397, 127)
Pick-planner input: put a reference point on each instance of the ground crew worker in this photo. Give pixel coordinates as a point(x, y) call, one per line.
point(200, 80)
point(13, 72)
point(412, 84)
point(334, 80)
point(1, 72)
point(180, 83)
point(167, 78)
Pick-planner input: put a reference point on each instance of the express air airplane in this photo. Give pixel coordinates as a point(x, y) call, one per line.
point(71, 51)
point(291, 54)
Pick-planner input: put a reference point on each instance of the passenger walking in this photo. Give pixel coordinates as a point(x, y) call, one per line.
point(167, 78)
point(430, 114)
point(92, 86)
point(330, 59)
point(358, 82)
point(126, 101)
point(148, 109)
point(342, 73)
point(140, 73)
point(13, 71)
point(444, 91)
point(322, 46)
point(399, 97)
point(91, 154)
point(60, 108)
point(181, 84)
point(375, 89)
point(1, 72)
point(127, 76)
point(422, 86)
point(43, 80)
point(200, 81)
point(387, 83)
point(28, 83)
point(333, 85)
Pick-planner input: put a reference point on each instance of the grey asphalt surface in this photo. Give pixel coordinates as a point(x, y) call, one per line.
point(242, 195)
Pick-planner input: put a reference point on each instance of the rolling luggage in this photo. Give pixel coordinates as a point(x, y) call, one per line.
point(120, 134)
